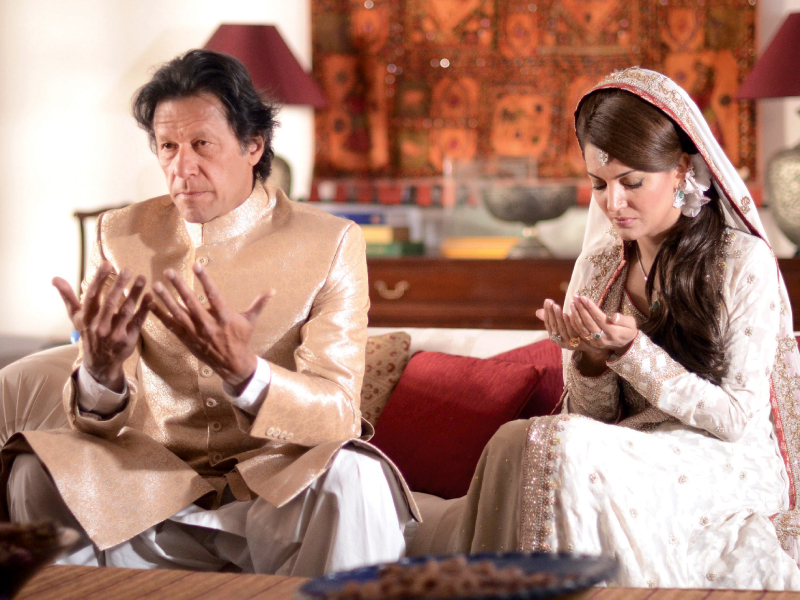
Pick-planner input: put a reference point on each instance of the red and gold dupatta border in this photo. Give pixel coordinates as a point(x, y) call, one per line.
point(536, 507)
point(784, 386)
point(598, 287)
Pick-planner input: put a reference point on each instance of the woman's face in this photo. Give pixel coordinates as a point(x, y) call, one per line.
point(638, 203)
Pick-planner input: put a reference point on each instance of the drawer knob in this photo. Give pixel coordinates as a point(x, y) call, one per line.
point(389, 294)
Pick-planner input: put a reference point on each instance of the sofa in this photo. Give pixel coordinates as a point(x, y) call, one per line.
point(435, 397)
point(456, 389)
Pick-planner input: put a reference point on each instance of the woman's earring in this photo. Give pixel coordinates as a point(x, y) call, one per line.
point(677, 197)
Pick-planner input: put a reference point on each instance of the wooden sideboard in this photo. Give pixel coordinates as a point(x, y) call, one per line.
point(487, 294)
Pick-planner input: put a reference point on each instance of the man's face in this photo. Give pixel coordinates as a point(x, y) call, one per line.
point(207, 172)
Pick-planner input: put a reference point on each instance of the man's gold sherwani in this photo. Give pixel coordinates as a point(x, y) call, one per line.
point(179, 438)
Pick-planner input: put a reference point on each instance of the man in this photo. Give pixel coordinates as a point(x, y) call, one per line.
point(216, 425)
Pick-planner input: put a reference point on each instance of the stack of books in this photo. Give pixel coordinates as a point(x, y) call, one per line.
point(384, 240)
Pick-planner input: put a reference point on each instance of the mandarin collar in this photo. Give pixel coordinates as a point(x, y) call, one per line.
point(238, 222)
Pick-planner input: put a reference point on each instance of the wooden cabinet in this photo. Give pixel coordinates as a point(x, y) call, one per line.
point(487, 294)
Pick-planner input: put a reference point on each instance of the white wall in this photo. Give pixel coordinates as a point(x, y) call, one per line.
point(67, 140)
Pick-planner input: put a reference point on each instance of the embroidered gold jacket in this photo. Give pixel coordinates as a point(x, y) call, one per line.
point(179, 438)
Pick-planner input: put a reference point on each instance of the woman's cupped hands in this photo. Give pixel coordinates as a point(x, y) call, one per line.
point(586, 328)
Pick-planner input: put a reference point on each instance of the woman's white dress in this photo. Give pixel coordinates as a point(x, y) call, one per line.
point(671, 474)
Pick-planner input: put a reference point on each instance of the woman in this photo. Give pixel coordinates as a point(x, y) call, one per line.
point(679, 430)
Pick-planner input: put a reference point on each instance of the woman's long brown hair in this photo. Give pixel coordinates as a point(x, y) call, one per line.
point(691, 311)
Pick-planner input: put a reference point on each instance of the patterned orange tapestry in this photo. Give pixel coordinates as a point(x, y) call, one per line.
point(411, 82)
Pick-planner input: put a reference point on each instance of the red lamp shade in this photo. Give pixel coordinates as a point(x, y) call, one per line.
point(776, 74)
point(272, 66)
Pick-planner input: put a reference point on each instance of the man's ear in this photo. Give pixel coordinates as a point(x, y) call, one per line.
point(255, 149)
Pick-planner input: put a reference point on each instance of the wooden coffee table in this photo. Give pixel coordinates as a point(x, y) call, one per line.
point(96, 583)
point(93, 583)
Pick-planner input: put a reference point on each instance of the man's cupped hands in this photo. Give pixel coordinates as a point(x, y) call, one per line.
point(110, 326)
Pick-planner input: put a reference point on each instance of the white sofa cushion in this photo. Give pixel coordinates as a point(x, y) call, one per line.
point(478, 343)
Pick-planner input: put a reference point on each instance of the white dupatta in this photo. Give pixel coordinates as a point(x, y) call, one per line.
point(601, 258)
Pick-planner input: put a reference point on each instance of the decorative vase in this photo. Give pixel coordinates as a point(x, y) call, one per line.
point(529, 204)
point(782, 187)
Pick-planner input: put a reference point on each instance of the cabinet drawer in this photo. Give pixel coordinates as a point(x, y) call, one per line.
point(425, 292)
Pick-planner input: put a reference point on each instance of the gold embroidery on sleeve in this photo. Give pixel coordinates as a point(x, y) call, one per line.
point(647, 367)
point(596, 397)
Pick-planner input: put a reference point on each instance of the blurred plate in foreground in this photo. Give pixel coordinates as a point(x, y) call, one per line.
point(543, 575)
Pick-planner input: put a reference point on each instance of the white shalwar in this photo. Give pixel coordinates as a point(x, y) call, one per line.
point(329, 527)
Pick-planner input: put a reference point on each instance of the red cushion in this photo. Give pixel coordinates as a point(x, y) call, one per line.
point(442, 413)
point(547, 356)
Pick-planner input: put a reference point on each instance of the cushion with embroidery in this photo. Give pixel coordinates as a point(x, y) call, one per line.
point(387, 356)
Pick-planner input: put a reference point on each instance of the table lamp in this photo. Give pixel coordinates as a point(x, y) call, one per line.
point(275, 73)
point(776, 75)
point(273, 68)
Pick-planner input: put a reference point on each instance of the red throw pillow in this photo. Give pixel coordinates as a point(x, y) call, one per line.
point(547, 356)
point(442, 413)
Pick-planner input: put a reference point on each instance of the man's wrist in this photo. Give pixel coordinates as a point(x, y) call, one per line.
point(112, 379)
point(238, 382)
point(252, 396)
point(94, 397)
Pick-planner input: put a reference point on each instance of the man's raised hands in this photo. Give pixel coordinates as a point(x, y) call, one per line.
point(109, 326)
point(218, 336)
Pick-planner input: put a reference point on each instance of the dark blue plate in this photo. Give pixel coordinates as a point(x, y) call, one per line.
point(580, 572)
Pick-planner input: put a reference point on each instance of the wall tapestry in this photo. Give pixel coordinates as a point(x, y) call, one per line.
point(413, 81)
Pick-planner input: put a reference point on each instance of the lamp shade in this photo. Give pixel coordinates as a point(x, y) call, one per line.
point(776, 74)
point(273, 68)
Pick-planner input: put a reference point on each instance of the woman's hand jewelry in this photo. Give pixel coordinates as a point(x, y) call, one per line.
point(556, 323)
point(563, 332)
point(614, 336)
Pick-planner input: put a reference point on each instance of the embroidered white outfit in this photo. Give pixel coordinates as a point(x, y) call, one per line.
point(682, 480)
